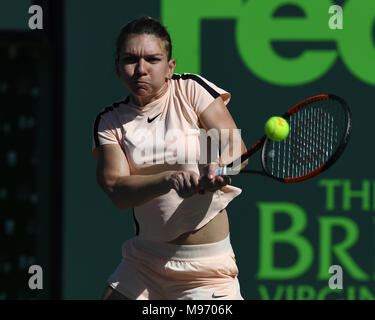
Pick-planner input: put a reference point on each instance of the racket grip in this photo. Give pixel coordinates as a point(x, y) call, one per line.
point(221, 171)
point(225, 171)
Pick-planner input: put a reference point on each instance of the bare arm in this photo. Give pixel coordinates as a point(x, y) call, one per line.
point(216, 116)
point(127, 191)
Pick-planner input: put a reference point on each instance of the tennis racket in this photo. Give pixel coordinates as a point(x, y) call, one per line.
point(320, 128)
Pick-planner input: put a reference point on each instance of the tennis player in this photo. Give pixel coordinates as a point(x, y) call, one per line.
point(182, 247)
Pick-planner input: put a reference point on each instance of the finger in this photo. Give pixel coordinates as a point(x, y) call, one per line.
point(180, 184)
point(180, 180)
point(194, 180)
point(227, 179)
point(201, 181)
point(210, 185)
point(211, 171)
point(221, 181)
point(202, 184)
point(175, 181)
point(187, 184)
point(218, 183)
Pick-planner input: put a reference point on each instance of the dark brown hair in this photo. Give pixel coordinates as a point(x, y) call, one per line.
point(143, 25)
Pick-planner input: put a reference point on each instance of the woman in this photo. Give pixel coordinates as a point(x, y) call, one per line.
point(182, 249)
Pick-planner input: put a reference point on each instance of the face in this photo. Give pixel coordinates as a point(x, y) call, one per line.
point(144, 68)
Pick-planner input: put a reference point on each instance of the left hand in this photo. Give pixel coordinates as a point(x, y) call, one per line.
point(209, 182)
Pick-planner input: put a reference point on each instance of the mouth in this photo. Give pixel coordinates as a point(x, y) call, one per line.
point(140, 82)
point(140, 86)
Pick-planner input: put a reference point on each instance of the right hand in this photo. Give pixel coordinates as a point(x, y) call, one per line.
point(208, 181)
point(186, 183)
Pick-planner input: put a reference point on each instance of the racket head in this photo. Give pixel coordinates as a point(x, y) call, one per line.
point(320, 128)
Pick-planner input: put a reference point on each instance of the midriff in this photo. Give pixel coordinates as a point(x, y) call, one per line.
point(215, 230)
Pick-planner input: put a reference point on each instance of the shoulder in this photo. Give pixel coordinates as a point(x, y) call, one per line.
point(110, 112)
point(190, 79)
point(195, 84)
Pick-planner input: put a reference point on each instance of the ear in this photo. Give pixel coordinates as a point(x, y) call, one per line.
point(171, 66)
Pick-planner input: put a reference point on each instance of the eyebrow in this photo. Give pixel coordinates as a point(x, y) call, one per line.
point(148, 55)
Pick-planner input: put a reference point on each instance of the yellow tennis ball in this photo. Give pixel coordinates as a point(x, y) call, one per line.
point(277, 128)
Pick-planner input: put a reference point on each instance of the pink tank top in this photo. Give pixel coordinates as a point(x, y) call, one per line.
point(165, 135)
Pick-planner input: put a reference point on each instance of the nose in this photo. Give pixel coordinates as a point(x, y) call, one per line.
point(141, 67)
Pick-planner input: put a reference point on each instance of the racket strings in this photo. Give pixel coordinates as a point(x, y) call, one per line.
point(315, 133)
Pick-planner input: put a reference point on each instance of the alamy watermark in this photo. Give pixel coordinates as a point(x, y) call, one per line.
point(36, 20)
point(336, 281)
point(191, 146)
point(337, 20)
point(36, 280)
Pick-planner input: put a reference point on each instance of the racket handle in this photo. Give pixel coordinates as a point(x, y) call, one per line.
point(225, 171)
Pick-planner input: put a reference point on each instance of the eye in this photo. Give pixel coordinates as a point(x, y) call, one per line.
point(128, 60)
point(154, 60)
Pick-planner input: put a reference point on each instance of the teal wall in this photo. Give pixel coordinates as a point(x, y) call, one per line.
point(14, 15)
point(94, 229)
point(25, 94)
